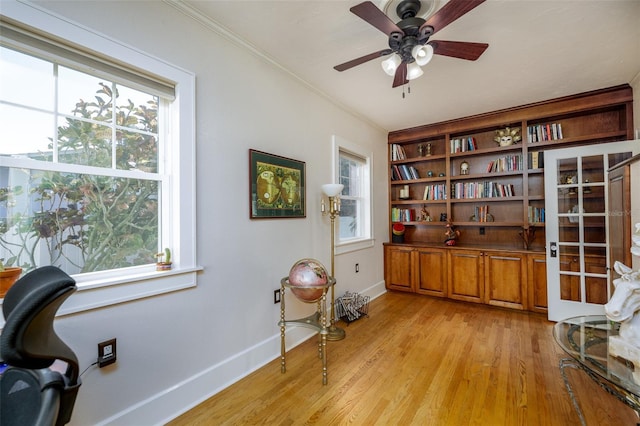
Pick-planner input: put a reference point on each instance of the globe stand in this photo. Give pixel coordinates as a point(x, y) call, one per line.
point(316, 321)
point(334, 333)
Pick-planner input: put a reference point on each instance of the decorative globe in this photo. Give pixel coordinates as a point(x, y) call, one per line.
point(306, 274)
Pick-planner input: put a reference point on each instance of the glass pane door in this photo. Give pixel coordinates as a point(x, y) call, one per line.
point(576, 194)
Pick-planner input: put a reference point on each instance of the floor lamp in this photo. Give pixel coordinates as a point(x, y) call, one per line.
point(333, 190)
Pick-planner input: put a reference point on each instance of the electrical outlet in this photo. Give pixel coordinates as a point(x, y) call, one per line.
point(357, 268)
point(276, 296)
point(106, 352)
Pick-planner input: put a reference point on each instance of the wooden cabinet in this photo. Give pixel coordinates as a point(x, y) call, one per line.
point(619, 213)
point(466, 275)
point(431, 271)
point(494, 278)
point(398, 267)
point(506, 279)
point(416, 269)
point(537, 282)
point(510, 279)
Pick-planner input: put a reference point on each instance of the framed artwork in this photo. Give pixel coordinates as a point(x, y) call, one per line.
point(276, 186)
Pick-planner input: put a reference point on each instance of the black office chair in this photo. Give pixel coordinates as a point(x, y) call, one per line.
point(31, 393)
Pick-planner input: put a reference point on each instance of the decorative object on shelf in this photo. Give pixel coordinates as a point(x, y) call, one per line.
point(464, 168)
point(421, 150)
point(404, 192)
point(528, 234)
point(443, 217)
point(586, 189)
point(164, 260)
point(332, 191)
point(507, 136)
point(397, 233)
point(308, 278)
point(352, 306)
point(430, 173)
point(451, 234)
point(428, 151)
point(8, 277)
point(441, 174)
point(623, 307)
point(277, 186)
point(424, 215)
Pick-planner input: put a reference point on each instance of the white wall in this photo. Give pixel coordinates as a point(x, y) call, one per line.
point(179, 348)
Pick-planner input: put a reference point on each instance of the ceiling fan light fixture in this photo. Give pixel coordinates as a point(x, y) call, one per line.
point(422, 54)
point(413, 71)
point(390, 65)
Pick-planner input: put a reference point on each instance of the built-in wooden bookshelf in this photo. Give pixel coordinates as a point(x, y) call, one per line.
point(456, 172)
point(507, 182)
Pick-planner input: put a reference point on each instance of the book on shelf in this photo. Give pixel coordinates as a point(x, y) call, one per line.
point(544, 132)
point(435, 192)
point(507, 163)
point(481, 214)
point(484, 189)
point(463, 144)
point(536, 159)
point(402, 215)
point(535, 214)
point(397, 152)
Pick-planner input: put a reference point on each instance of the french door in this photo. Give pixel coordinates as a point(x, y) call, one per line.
point(577, 240)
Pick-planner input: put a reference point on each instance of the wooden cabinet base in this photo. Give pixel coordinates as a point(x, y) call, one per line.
point(508, 279)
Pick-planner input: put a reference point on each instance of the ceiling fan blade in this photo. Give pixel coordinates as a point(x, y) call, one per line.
point(401, 75)
point(366, 58)
point(450, 12)
point(458, 49)
point(370, 13)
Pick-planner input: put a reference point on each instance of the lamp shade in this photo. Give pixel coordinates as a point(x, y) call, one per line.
point(332, 189)
point(422, 54)
point(390, 65)
point(413, 71)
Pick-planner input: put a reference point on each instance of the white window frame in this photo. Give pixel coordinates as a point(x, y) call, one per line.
point(352, 244)
point(108, 288)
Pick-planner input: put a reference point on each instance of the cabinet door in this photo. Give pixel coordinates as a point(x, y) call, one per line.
point(466, 275)
point(398, 268)
point(432, 272)
point(537, 282)
point(505, 280)
point(619, 218)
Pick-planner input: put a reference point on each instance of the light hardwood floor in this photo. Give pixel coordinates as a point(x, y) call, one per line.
point(420, 361)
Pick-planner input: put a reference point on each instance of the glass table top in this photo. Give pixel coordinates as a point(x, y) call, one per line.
point(585, 339)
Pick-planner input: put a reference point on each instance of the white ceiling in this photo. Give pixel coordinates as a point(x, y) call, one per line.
point(537, 50)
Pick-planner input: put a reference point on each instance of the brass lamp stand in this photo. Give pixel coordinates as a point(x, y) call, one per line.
point(333, 190)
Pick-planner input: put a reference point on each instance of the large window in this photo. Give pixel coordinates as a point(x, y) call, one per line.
point(84, 190)
point(96, 156)
point(354, 172)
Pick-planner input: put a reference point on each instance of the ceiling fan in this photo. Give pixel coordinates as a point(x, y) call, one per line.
point(409, 42)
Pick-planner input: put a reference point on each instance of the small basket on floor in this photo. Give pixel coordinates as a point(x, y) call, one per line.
point(352, 306)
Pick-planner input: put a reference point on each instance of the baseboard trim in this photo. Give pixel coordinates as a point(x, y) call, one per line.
point(183, 396)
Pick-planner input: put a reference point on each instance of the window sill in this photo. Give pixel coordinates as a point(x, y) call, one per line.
point(98, 293)
point(350, 246)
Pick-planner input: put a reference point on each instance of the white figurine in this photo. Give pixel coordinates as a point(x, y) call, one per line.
point(623, 307)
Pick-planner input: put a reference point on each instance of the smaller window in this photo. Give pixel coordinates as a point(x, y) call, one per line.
point(354, 172)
